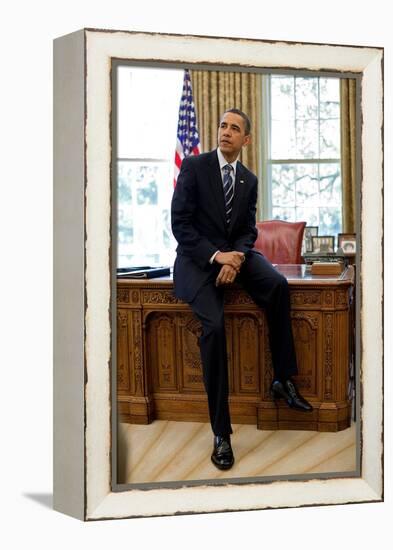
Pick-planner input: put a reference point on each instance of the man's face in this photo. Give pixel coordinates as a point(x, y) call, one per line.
point(231, 135)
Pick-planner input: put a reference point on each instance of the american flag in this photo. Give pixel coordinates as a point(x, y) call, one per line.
point(187, 132)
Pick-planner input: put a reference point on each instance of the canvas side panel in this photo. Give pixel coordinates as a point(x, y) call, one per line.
point(69, 273)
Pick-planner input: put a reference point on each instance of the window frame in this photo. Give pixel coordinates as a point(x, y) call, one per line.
point(137, 159)
point(265, 203)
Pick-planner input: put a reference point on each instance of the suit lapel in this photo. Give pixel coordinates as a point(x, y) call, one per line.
point(240, 188)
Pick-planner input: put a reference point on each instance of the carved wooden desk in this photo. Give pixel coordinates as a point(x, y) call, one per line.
point(159, 372)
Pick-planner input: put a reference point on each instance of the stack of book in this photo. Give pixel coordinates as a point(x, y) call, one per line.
point(142, 272)
point(327, 268)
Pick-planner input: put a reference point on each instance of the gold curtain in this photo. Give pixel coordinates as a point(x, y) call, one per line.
point(216, 91)
point(348, 149)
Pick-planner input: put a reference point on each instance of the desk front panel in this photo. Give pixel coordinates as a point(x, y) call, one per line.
point(159, 373)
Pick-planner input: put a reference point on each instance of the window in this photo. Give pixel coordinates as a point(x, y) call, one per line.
point(303, 152)
point(148, 104)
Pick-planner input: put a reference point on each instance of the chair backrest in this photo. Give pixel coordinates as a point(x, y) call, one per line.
point(280, 241)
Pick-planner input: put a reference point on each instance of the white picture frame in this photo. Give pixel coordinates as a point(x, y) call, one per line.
point(83, 283)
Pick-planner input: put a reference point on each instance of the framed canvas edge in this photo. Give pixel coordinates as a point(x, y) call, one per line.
point(69, 489)
point(100, 501)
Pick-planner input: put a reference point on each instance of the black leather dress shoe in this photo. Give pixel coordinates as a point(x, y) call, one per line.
point(291, 394)
point(222, 455)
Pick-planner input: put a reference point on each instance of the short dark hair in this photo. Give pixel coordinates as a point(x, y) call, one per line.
point(247, 122)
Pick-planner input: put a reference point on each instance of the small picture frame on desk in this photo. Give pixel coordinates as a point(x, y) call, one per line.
point(323, 243)
point(309, 232)
point(347, 242)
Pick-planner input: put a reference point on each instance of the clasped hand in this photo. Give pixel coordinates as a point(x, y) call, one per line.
point(231, 264)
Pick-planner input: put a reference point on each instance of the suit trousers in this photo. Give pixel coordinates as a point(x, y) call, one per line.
point(270, 291)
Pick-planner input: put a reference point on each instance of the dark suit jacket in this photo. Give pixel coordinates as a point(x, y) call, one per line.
point(198, 219)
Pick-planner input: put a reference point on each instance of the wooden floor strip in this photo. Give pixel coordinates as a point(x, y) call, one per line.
point(176, 451)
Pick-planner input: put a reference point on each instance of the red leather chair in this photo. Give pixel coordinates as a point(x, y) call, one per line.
point(280, 241)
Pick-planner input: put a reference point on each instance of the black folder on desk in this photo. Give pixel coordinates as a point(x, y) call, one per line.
point(144, 272)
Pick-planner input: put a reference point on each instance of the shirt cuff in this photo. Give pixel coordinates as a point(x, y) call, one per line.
point(214, 255)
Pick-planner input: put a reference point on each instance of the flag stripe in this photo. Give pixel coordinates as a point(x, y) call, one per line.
point(187, 142)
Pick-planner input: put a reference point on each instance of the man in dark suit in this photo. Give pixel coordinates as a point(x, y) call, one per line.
point(213, 221)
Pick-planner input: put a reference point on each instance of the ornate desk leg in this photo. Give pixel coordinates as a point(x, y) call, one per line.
point(135, 405)
point(335, 408)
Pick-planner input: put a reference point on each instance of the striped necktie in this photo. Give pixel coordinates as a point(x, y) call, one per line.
point(228, 191)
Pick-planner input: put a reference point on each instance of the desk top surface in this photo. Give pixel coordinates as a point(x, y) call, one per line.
point(296, 274)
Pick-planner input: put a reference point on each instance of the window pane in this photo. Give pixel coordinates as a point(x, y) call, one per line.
point(286, 214)
point(307, 185)
point(329, 138)
point(283, 139)
point(283, 185)
point(329, 97)
point(330, 185)
point(307, 139)
point(306, 94)
point(329, 221)
point(309, 215)
point(282, 94)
